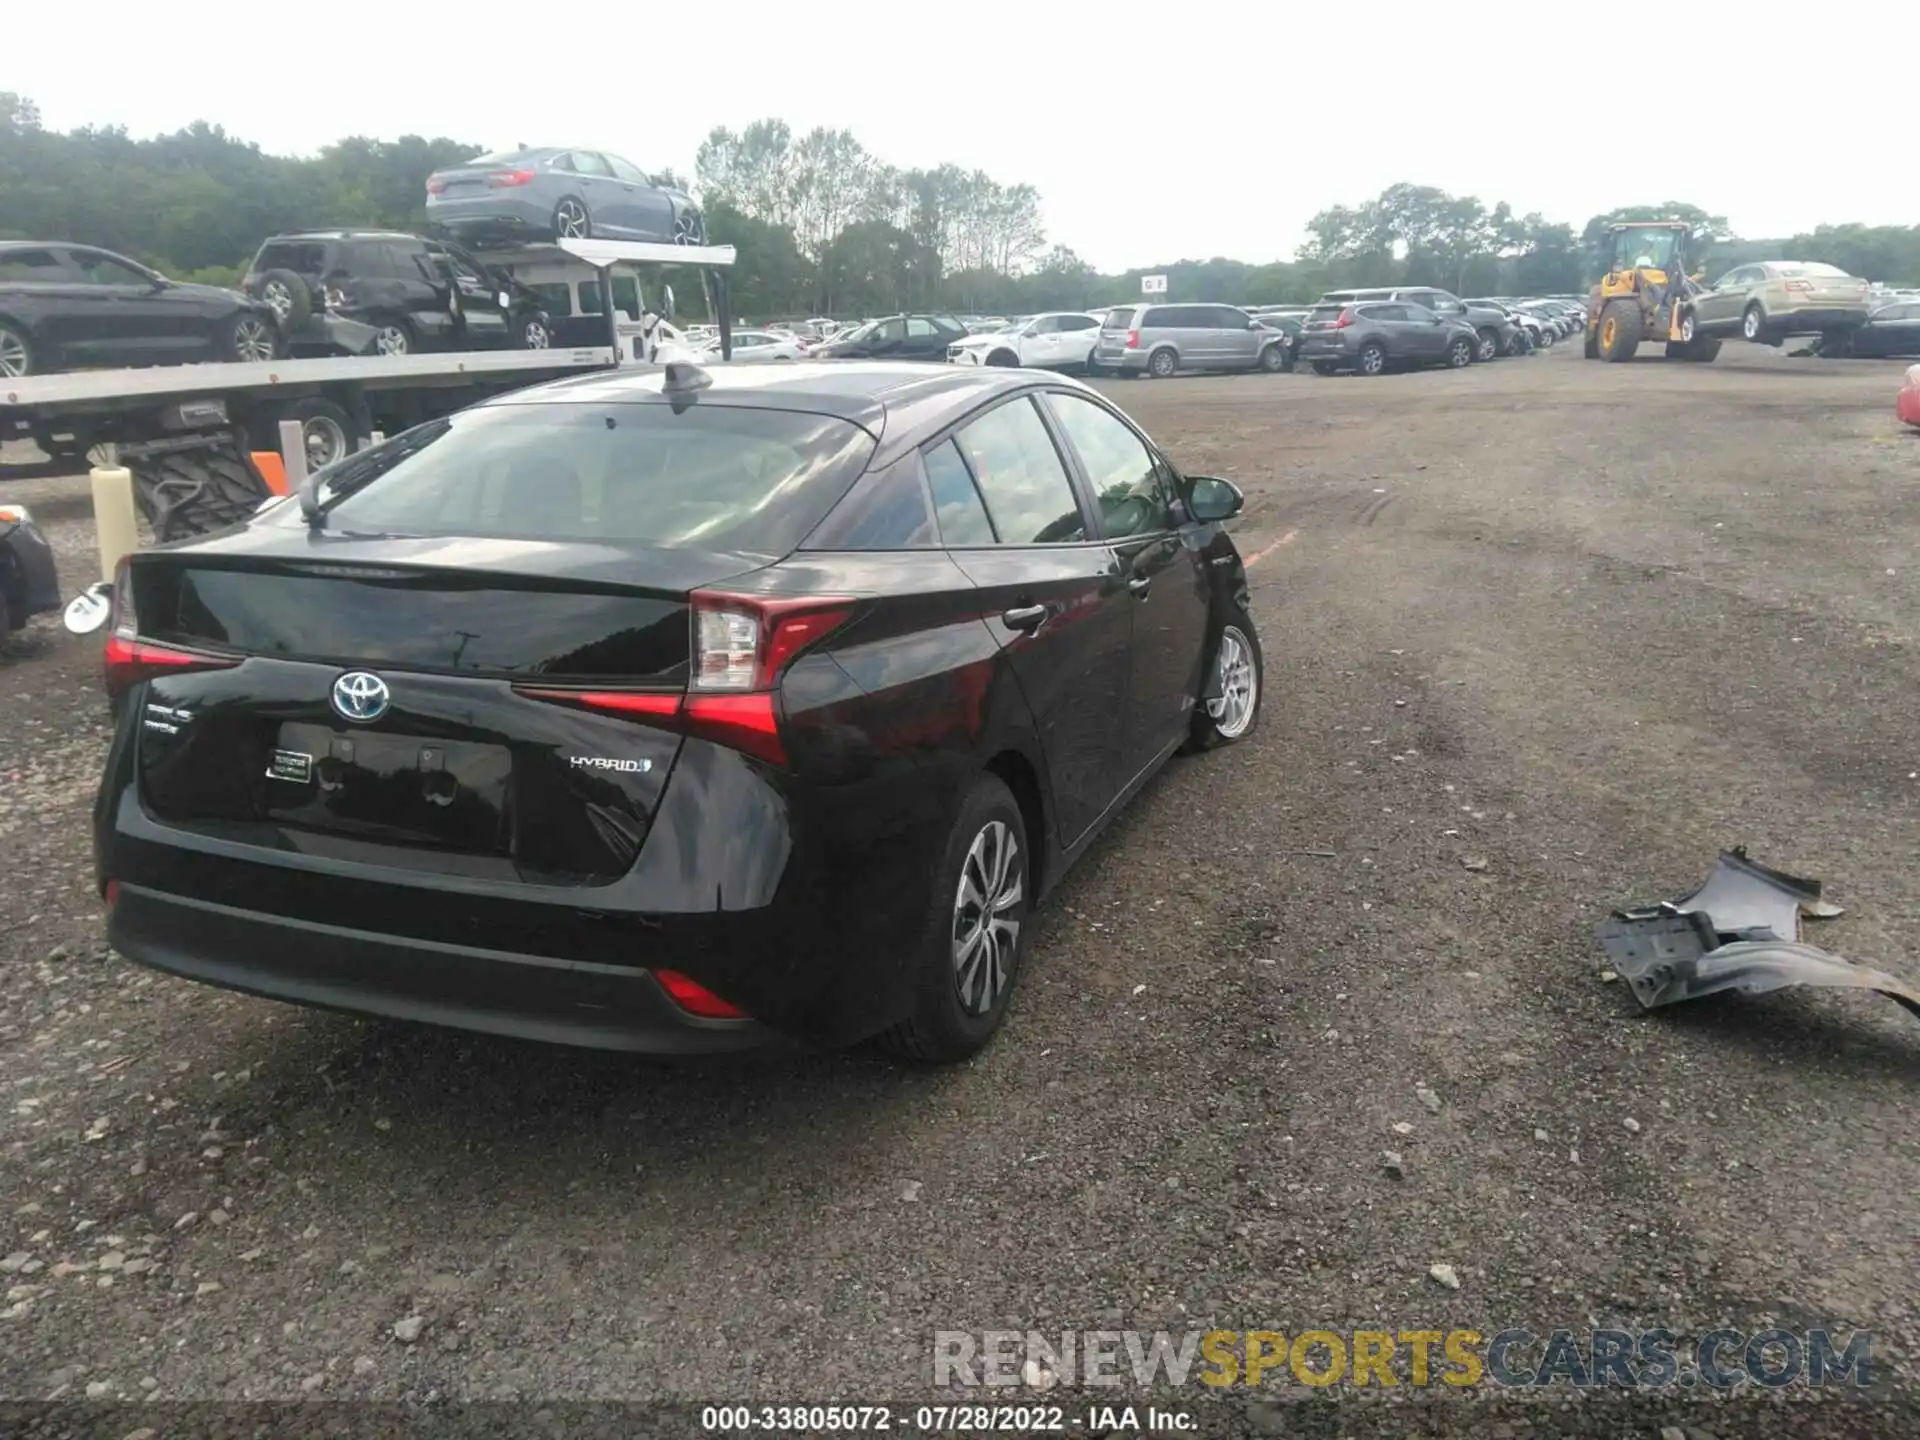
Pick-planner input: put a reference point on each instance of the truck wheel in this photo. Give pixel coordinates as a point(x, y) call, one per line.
point(1590, 347)
point(16, 355)
point(328, 430)
point(249, 337)
point(1620, 330)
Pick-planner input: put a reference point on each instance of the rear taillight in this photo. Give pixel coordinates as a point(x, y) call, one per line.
point(502, 179)
point(1133, 339)
point(1344, 319)
point(110, 892)
point(129, 659)
point(694, 998)
point(435, 185)
point(742, 644)
point(1798, 285)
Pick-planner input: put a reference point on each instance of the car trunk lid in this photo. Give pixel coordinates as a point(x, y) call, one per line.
point(367, 709)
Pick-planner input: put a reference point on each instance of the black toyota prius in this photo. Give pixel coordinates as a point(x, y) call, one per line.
point(669, 711)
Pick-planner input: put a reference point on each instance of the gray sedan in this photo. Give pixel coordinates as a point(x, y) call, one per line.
point(547, 194)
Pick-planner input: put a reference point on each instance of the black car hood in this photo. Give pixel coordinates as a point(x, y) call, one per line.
point(216, 292)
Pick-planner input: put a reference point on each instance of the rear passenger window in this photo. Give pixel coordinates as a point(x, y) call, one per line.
point(1021, 478)
point(962, 514)
point(886, 510)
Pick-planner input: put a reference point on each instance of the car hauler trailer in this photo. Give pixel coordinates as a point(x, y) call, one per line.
point(203, 442)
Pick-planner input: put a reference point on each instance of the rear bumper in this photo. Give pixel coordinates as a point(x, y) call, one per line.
point(1124, 362)
point(1812, 322)
point(492, 215)
point(330, 967)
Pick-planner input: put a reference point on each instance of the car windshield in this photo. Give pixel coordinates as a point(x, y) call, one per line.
point(712, 477)
point(859, 332)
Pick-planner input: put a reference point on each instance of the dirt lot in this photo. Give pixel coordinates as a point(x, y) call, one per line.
point(1579, 625)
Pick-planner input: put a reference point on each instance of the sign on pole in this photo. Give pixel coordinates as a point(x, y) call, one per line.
point(1153, 284)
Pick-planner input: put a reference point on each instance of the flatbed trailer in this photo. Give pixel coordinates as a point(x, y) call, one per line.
point(342, 401)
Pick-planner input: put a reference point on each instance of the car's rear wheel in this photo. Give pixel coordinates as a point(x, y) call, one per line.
point(1162, 363)
point(392, 337)
point(1237, 672)
point(327, 429)
point(16, 355)
point(249, 336)
point(969, 956)
point(571, 220)
point(1373, 358)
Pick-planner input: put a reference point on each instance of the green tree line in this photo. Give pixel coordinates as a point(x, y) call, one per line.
point(824, 226)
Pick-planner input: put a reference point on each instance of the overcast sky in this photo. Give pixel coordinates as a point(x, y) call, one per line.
point(1153, 133)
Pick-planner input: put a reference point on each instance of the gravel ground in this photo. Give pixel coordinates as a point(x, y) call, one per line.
point(1542, 637)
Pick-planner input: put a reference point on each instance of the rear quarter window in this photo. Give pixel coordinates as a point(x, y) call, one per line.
point(886, 510)
point(300, 256)
point(713, 477)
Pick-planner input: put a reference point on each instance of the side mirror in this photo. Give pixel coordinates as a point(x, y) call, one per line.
point(1210, 501)
point(88, 611)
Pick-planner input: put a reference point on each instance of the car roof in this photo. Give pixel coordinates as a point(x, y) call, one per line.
point(867, 393)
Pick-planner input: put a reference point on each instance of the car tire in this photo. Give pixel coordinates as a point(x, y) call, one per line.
point(1092, 367)
point(689, 228)
point(945, 1025)
point(6, 617)
point(530, 332)
point(1004, 358)
point(1753, 324)
point(1489, 346)
point(571, 219)
point(289, 297)
point(1372, 359)
point(16, 354)
point(393, 337)
point(1162, 364)
point(1836, 344)
point(250, 337)
point(1325, 367)
point(1225, 721)
point(1273, 359)
point(1460, 353)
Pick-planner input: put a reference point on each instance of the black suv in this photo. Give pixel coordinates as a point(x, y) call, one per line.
point(398, 293)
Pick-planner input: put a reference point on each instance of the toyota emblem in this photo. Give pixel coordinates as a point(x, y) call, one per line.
point(361, 697)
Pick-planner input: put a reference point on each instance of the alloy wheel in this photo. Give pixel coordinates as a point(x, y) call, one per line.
point(1232, 709)
point(278, 299)
point(253, 339)
point(535, 336)
point(1489, 347)
point(1750, 325)
point(1372, 360)
point(986, 925)
point(570, 220)
point(391, 340)
point(687, 229)
point(15, 362)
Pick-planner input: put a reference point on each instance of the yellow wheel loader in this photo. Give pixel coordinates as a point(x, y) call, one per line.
point(1646, 295)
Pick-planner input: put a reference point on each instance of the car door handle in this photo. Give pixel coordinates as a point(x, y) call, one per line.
point(1139, 585)
point(1026, 618)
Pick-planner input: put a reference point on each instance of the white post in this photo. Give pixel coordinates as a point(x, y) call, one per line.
point(293, 453)
point(116, 523)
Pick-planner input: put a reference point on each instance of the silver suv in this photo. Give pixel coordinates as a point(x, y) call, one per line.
point(1161, 340)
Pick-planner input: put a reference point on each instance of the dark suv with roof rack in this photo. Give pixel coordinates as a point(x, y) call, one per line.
point(390, 293)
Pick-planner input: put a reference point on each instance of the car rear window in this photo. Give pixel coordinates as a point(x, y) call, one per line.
point(303, 257)
point(1121, 319)
point(712, 477)
point(1325, 312)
